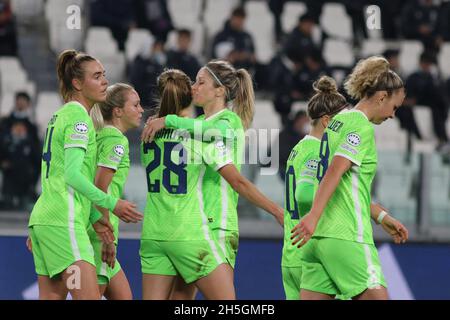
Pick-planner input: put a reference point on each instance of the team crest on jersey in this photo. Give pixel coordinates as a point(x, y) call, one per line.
point(312, 164)
point(353, 139)
point(119, 150)
point(81, 127)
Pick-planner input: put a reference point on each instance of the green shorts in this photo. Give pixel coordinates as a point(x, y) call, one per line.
point(229, 242)
point(291, 282)
point(56, 248)
point(340, 267)
point(104, 272)
point(192, 259)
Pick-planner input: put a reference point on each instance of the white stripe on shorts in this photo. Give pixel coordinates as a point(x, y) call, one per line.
point(73, 239)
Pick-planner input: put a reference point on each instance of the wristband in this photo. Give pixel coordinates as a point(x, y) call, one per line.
point(381, 216)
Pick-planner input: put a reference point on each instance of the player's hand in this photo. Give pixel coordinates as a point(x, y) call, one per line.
point(109, 254)
point(104, 230)
point(304, 230)
point(126, 211)
point(29, 245)
point(279, 216)
point(395, 229)
point(152, 126)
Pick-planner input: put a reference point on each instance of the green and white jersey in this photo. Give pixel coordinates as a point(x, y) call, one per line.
point(59, 204)
point(347, 215)
point(300, 167)
point(175, 166)
point(222, 200)
point(113, 152)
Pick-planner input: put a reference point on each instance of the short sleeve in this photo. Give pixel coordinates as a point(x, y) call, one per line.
point(355, 142)
point(216, 154)
point(76, 131)
point(111, 152)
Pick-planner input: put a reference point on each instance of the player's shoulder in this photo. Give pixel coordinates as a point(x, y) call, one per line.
point(110, 135)
point(351, 120)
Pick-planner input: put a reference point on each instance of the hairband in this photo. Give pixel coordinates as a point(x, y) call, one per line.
point(215, 77)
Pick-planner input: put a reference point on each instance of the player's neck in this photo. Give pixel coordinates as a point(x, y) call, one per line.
point(366, 107)
point(86, 103)
point(115, 122)
point(317, 131)
point(212, 109)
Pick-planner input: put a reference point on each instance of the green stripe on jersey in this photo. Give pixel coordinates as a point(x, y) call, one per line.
point(301, 165)
point(58, 204)
point(347, 215)
point(175, 165)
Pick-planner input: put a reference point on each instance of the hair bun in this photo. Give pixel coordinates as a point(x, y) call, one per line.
point(325, 85)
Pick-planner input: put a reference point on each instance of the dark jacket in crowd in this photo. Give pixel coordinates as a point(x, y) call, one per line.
point(154, 16)
point(184, 61)
point(241, 40)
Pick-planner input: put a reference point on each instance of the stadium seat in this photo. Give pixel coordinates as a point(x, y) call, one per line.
point(424, 121)
point(338, 53)
point(265, 116)
point(409, 56)
point(185, 14)
point(137, 38)
point(47, 103)
point(62, 38)
point(444, 60)
point(216, 13)
point(114, 65)
point(260, 25)
point(336, 22)
point(56, 9)
point(26, 9)
point(272, 186)
point(291, 12)
point(6, 104)
point(439, 190)
point(389, 136)
point(99, 41)
point(372, 47)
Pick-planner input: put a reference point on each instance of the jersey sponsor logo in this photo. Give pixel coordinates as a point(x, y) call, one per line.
point(81, 127)
point(119, 150)
point(82, 137)
point(354, 139)
point(312, 164)
point(308, 173)
point(114, 159)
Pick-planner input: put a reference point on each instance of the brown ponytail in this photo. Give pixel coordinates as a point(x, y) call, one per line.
point(69, 67)
point(174, 88)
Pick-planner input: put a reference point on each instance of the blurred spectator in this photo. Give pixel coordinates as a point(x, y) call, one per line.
point(315, 67)
point(154, 16)
point(292, 133)
point(314, 7)
point(424, 87)
point(300, 42)
point(145, 69)
point(21, 112)
point(283, 77)
point(444, 20)
point(8, 34)
point(181, 58)
point(404, 114)
point(390, 10)
point(419, 21)
point(20, 160)
point(118, 16)
point(233, 43)
point(355, 10)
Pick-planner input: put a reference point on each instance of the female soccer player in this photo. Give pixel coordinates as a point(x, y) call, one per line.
point(340, 256)
point(301, 181)
point(217, 86)
point(120, 112)
point(177, 238)
point(62, 252)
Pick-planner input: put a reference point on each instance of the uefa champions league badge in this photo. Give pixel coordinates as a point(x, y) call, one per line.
point(354, 139)
point(81, 127)
point(312, 164)
point(119, 150)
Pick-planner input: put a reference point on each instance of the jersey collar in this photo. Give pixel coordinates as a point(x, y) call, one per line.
point(356, 110)
point(216, 114)
point(112, 127)
point(79, 104)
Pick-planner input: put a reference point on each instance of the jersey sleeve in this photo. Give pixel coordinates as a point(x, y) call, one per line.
point(76, 131)
point(355, 142)
point(111, 152)
point(216, 154)
point(209, 130)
